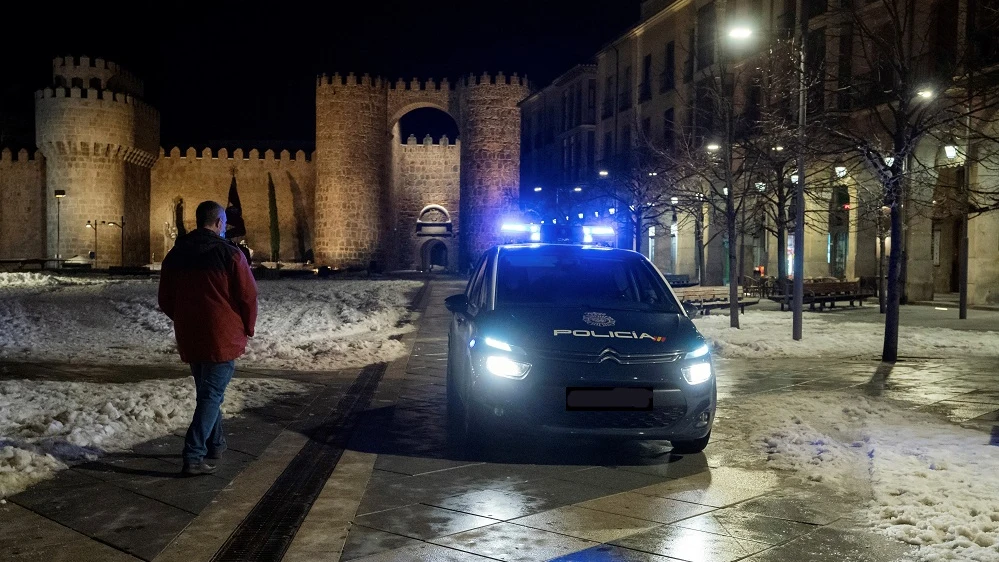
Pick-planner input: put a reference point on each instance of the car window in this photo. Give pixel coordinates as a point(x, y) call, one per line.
point(475, 282)
point(482, 297)
point(553, 279)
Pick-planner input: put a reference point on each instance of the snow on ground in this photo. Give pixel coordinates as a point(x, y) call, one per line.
point(45, 426)
point(928, 482)
point(766, 333)
point(309, 324)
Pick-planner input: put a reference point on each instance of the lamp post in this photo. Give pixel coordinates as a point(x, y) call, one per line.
point(799, 188)
point(94, 226)
point(121, 227)
point(59, 194)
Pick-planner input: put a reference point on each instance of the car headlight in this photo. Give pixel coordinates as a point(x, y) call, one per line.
point(696, 373)
point(699, 372)
point(503, 366)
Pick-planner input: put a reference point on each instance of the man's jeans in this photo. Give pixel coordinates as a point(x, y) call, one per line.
point(210, 380)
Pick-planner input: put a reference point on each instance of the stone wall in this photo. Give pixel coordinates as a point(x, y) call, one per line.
point(423, 174)
point(489, 121)
point(22, 205)
point(193, 178)
point(351, 148)
point(98, 146)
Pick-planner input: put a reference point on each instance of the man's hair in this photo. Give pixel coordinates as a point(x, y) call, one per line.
point(207, 213)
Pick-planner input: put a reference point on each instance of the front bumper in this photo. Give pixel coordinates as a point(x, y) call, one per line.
point(537, 404)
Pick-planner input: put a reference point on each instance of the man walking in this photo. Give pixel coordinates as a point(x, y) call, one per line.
point(207, 289)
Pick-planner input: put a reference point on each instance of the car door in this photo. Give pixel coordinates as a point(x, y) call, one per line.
point(459, 332)
point(479, 294)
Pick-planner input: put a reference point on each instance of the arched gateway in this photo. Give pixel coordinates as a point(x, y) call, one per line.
point(357, 207)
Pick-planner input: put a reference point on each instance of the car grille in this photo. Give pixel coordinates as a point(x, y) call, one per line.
point(606, 355)
point(623, 420)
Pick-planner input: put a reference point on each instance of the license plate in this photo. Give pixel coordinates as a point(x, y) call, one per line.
point(623, 399)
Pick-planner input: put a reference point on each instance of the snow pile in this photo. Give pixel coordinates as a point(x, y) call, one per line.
point(928, 482)
point(33, 280)
point(768, 334)
point(302, 324)
point(45, 426)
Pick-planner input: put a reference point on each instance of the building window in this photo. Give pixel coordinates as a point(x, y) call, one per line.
point(645, 92)
point(625, 101)
point(706, 36)
point(608, 98)
point(815, 58)
point(591, 101)
point(608, 146)
point(669, 72)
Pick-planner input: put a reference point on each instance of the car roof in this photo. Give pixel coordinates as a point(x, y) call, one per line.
point(569, 249)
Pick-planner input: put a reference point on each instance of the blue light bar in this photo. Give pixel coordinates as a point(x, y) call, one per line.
point(510, 227)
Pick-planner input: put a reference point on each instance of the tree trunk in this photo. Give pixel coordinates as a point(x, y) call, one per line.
point(733, 283)
point(699, 244)
point(890, 352)
point(781, 243)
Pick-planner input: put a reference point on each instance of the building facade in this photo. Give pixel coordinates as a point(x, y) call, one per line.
point(654, 82)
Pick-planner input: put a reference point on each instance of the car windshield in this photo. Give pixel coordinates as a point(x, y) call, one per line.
point(596, 280)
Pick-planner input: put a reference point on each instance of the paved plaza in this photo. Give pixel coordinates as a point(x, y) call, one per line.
point(361, 469)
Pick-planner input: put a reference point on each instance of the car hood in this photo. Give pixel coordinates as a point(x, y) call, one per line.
point(579, 330)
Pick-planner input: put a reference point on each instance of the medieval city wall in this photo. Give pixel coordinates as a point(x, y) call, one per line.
point(191, 178)
point(424, 174)
point(22, 205)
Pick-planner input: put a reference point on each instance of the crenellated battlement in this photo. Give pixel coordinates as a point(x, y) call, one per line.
point(365, 80)
point(111, 75)
point(22, 157)
point(223, 154)
point(445, 142)
point(416, 84)
point(497, 79)
point(104, 96)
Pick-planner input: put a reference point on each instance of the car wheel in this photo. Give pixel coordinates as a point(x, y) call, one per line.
point(690, 447)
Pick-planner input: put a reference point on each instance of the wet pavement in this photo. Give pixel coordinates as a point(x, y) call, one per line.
point(395, 489)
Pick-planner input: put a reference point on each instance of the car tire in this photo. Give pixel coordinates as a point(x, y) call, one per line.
point(690, 447)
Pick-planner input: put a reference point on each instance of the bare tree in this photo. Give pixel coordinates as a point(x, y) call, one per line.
point(902, 78)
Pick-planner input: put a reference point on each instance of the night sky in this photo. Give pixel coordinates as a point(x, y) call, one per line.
point(242, 74)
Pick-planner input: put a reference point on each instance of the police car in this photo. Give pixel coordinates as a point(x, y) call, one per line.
point(579, 340)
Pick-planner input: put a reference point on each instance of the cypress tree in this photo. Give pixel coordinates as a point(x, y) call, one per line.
point(275, 230)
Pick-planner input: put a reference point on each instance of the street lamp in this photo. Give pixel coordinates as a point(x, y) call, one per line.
point(121, 227)
point(94, 226)
point(59, 194)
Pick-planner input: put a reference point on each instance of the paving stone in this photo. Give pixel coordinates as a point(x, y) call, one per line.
point(364, 541)
point(495, 504)
point(801, 508)
point(119, 517)
point(659, 510)
point(691, 545)
point(425, 553)
point(610, 553)
point(837, 545)
point(511, 542)
point(612, 478)
point(422, 521)
point(588, 524)
point(557, 493)
point(741, 524)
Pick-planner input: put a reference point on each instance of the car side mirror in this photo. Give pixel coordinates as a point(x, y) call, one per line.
point(457, 304)
point(690, 308)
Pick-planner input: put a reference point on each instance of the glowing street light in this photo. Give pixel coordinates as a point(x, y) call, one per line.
point(537, 189)
point(713, 147)
point(740, 32)
point(604, 173)
point(951, 151)
point(577, 189)
point(925, 93)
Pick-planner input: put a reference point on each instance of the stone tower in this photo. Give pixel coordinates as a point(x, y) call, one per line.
point(100, 142)
point(355, 117)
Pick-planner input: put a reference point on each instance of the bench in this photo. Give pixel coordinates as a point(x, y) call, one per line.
point(824, 293)
point(705, 299)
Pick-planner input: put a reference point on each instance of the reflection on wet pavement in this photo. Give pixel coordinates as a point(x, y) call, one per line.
point(523, 498)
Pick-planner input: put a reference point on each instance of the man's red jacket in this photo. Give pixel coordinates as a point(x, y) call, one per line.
point(207, 289)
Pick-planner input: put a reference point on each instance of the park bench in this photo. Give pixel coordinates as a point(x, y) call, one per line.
point(706, 299)
point(824, 293)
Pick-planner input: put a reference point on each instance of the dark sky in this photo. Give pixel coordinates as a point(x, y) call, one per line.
point(243, 73)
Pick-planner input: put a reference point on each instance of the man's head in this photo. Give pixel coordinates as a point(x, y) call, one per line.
point(211, 215)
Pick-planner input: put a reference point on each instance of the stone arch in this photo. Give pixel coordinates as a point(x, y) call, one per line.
point(434, 252)
point(402, 111)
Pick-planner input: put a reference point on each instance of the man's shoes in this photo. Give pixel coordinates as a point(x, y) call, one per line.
point(198, 469)
point(216, 454)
